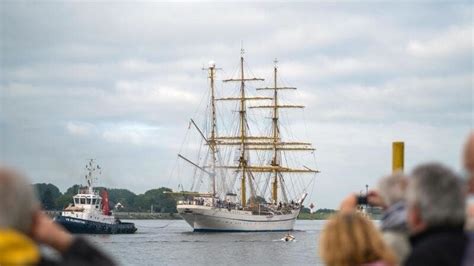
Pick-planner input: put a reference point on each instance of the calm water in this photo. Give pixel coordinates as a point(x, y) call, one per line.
point(171, 242)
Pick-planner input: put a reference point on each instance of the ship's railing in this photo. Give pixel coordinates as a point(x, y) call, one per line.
point(199, 202)
point(266, 208)
point(85, 190)
point(217, 203)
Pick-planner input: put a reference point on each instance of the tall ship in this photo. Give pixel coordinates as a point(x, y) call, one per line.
point(249, 182)
point(89, 213)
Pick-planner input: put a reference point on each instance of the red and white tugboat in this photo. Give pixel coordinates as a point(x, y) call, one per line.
point(90, 213)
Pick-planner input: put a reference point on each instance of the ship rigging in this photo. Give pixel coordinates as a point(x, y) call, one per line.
point(256, 161)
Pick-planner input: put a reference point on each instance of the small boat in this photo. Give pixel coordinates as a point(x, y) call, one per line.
point(288, 238)
point(90, 213)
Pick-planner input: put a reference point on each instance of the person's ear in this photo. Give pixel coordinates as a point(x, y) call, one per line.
point(417, 215)
point(415, 220)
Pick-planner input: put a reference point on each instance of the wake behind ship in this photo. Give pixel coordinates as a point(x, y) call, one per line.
point(248, 176)
point(90, 214)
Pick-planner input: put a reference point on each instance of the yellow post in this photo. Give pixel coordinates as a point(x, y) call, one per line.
point(398, 156)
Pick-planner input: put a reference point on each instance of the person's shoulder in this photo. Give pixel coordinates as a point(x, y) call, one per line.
point(82, 252)
point(438, 249)
point(47, 262)
point(420, 257)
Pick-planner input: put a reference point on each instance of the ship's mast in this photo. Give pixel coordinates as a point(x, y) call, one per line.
point(243, 138)
point(276, 133)
point(212, 139)
point(277, 145)
point(243, 131)
point(91, 167)
point(261, 143)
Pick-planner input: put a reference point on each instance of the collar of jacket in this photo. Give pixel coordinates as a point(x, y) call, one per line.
point(394, 218)
point(454, 229)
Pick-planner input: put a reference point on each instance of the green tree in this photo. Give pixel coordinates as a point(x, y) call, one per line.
point(47, 194)
point(63, 201)
point(124, 196)
point(47, 200)
point(326, 211)
point(66, 199)
point(161, 201)
point(305, 210)
point(52, 198)
point(71, 191)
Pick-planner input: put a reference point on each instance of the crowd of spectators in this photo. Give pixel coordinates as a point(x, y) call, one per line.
point(428, 220)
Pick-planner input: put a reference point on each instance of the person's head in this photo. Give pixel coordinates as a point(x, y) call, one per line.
point(469, 160)
point(435, 197)
point(351, 239)
point(18, 202)
point(392, 188)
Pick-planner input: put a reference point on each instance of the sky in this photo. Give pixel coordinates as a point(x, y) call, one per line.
point(118, 82)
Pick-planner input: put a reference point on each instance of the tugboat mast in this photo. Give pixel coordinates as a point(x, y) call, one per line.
point(91, 167)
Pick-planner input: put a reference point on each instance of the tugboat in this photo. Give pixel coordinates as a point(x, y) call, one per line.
point(90, 213)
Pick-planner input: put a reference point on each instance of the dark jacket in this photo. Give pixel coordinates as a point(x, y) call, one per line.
point(80, 253)
point(443, 246)
point(469, 254)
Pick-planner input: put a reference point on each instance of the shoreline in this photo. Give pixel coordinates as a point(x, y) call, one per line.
point(175, 216)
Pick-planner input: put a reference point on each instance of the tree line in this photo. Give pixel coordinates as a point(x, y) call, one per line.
point(51, 198)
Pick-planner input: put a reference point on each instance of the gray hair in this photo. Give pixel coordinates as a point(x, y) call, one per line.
point(392, 188)
point(437, 192)
point(17, 201)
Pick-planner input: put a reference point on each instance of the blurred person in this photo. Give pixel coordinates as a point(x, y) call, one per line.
point(391, 197)
point(23, 227)
point(469, 168)
point(348, 238)
point(436, 216)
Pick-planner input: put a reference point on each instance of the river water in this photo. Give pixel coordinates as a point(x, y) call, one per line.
point(172, 242)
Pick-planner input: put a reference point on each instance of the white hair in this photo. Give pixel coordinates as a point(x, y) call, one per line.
point(17, 201)
point(437, 192)
point(392, 188)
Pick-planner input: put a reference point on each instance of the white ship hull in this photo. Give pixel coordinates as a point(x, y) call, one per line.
point(205, 218)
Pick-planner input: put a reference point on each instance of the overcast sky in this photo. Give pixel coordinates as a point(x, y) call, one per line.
point(119, 82)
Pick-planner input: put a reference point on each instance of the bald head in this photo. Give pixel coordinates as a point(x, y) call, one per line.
point(17, 201)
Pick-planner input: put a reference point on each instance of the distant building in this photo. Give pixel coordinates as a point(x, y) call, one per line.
point(118, 206)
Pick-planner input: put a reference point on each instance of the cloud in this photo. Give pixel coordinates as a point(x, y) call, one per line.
point(79, 129)
point(136, 134)
point(453, 42)
point(149, 92)
point(123, 133)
